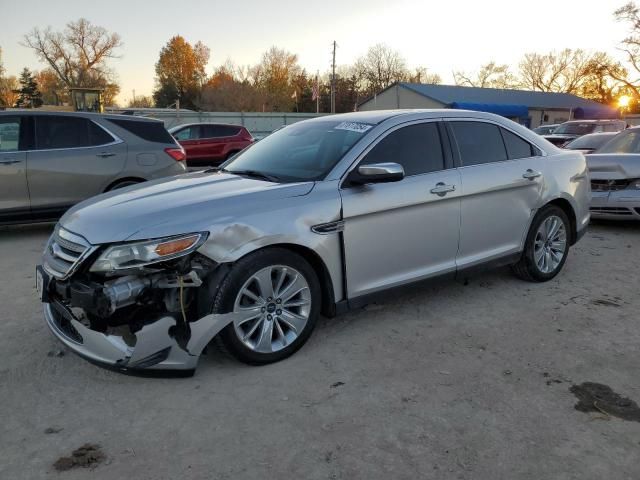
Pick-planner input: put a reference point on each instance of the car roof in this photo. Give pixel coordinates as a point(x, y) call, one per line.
point(379, 116)
point(91, 115)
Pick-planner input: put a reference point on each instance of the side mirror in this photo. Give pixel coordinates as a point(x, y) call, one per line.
point(377, 173)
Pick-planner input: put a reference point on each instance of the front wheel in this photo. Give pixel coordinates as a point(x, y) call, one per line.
point(546, 247)
point(278, 294)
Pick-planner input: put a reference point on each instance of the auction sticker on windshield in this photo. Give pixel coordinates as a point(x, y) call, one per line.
point(354, 127)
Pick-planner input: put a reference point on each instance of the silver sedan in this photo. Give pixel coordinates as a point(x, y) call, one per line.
point(319, 217)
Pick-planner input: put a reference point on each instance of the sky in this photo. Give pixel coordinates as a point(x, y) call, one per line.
point(442, 35)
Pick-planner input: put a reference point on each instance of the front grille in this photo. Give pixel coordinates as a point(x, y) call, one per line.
point(608, 185)
point(64, 252)
point(611, 210)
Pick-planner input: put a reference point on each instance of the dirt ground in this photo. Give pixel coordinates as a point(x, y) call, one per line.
point(447, 381)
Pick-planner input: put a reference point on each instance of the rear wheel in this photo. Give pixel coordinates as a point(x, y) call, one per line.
point(546, 247)
point(278, 294)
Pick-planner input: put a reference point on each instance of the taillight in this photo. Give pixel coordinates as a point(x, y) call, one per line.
point(177, 153)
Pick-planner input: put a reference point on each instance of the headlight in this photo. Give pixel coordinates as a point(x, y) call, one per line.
point(139, 254)
point(635, 184)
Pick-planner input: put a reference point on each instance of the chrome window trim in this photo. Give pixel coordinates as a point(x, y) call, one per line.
point(384, 134)
point(116, 139)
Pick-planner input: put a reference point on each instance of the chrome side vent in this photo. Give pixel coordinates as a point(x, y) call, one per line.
point(64, 253)
point(328, 228)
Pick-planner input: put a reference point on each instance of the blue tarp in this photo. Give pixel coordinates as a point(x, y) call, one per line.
point(520, 111)
point(594, 113)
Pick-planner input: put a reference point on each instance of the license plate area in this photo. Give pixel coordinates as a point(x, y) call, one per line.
point(42, 284)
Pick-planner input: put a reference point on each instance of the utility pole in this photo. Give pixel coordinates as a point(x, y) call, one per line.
point(134, 96)
point(333, 80)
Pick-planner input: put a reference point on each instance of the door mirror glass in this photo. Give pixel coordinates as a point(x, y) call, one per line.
point(377, 173)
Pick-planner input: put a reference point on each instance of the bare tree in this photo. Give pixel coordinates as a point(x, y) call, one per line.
point(380, 67)
point(564, 71)
point(422, 75)
point(78, 54)
point(629, 13)
point(490, 75)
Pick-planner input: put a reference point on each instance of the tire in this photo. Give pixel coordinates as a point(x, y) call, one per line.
point(122, 184)
point(272, 331)
point(535, 265)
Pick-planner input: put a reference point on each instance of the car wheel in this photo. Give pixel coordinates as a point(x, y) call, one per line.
point(280, 294)
point(546, 247)
point(124, 183)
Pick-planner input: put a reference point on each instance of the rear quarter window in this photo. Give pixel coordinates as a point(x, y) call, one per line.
point(149, 131)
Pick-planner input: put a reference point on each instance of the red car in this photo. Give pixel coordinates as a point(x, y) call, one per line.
point(210, 143)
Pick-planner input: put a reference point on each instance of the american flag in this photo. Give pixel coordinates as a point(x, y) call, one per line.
point(315, 90)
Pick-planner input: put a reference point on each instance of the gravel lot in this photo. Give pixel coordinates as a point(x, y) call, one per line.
point(446, 381)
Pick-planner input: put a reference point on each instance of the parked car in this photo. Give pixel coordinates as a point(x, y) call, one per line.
point(321, 216)
point(568, 131)
point(546, 129)
point(210, 143)
point(615, 177)
point(590, 143)
point(50, 161)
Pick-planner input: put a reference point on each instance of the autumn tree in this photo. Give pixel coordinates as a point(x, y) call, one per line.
point(79, 54)
point(274, 77)
point(490, 75)
point(180, 73)
point(29, 95)
point(422, 75)
point(9, 87)
point(52, 87)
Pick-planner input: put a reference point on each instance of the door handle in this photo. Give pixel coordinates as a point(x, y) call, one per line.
point(442, 189)
point(9, 161)
point(105, 154)
point(531, 174)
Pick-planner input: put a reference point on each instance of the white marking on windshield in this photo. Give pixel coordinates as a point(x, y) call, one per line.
point(354, 127)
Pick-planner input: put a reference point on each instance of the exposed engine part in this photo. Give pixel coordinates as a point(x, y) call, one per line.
point(124, 291)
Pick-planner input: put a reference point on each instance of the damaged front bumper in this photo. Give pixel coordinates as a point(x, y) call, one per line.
point(153, 349)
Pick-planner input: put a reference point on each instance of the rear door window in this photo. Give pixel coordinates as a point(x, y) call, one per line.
point(98, 135)
point(9, 134)
point(416, 147)
point(188, 133)
point(54, 132)
point(216, 131)
point(479, 142)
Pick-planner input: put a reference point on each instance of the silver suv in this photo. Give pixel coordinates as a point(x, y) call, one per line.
point(50, 161)
point(321, 216)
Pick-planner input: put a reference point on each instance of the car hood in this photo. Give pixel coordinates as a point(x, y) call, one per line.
point(613, 166)
point(175, 205)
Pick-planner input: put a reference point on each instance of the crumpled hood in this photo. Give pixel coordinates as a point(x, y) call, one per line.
point(173, 205)
point(613, 166)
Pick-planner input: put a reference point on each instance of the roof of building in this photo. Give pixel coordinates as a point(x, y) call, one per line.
point(449, 94)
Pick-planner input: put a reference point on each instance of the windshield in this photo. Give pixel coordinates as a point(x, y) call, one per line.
point(589, 142)
point(625, 142)
point(300, 152)
point(574, 129)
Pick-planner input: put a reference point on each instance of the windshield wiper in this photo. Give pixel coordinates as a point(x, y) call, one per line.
point(254, 174)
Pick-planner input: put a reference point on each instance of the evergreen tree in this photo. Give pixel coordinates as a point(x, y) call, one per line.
point(29, 95)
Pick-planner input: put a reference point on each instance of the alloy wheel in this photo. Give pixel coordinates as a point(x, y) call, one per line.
point(276, 303)
point(550, 245)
